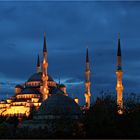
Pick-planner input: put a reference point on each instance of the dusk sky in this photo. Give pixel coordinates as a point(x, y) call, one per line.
point(70, 27)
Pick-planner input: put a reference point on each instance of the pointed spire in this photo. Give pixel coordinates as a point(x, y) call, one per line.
point(38, 61)
point(87, 59)
point(119, 62)
point(119, 46)
point(44, 46)
point(87, 81)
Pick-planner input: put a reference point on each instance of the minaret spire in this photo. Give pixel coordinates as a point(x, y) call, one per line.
point(87, 59)
point(119, 63)
point(119, 46)
point(38, 64)
point(119, 74)
point(87, 81)
point(44, 46)
point(45, 90)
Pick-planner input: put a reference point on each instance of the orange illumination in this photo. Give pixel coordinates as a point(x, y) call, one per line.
point(120, 112)
point(119, 89)
point(76, 100)
point(9, 101)
point(35, 100)
point(16, 110)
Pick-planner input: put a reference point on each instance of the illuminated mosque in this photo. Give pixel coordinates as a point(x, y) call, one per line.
point(38, 88)
point(49, 98)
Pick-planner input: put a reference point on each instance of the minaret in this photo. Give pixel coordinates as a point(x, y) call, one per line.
point(45, 90)
point(87, 82)
point(119, 74)
point(38, 64)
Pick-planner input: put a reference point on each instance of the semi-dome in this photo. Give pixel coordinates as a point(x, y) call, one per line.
point(38, 77)
point(29, 91)
point(59, 104)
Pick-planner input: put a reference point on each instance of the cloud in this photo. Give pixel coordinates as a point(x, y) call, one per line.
point(70, 27)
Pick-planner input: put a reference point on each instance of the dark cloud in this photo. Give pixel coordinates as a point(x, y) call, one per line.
point(73, 81)
point(70, 27)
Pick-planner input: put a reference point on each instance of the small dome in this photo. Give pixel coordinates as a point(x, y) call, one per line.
point(29, 91)
point(59, 104)
point(38, 77)
point(19, 86)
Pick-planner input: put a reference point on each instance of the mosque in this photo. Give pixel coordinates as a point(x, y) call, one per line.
point(40, 87)
point(49, 98)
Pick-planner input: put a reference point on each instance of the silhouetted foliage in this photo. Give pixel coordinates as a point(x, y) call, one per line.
point(100, 121)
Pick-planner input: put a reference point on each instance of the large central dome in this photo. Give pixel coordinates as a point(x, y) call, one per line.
point(59, 104)
point(38, 77)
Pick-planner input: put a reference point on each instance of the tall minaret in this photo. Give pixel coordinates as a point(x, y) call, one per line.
point(87, 82)
point(119, 74)
point(38, 64)
point(45, 90)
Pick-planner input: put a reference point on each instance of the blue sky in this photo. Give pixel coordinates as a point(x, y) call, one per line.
point(70, 28)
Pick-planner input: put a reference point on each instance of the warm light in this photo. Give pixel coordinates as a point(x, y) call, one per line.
point(15, 110)
point(44, 61)
point(119, 89)
point(2, 110)
point(120, 112)
point(35, 100)
point(7, 105)
point(76, 100)
point(9, 101)
point(37, 104)
point(27, 96)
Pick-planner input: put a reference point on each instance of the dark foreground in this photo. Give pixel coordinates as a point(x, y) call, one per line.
point(100, 121)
